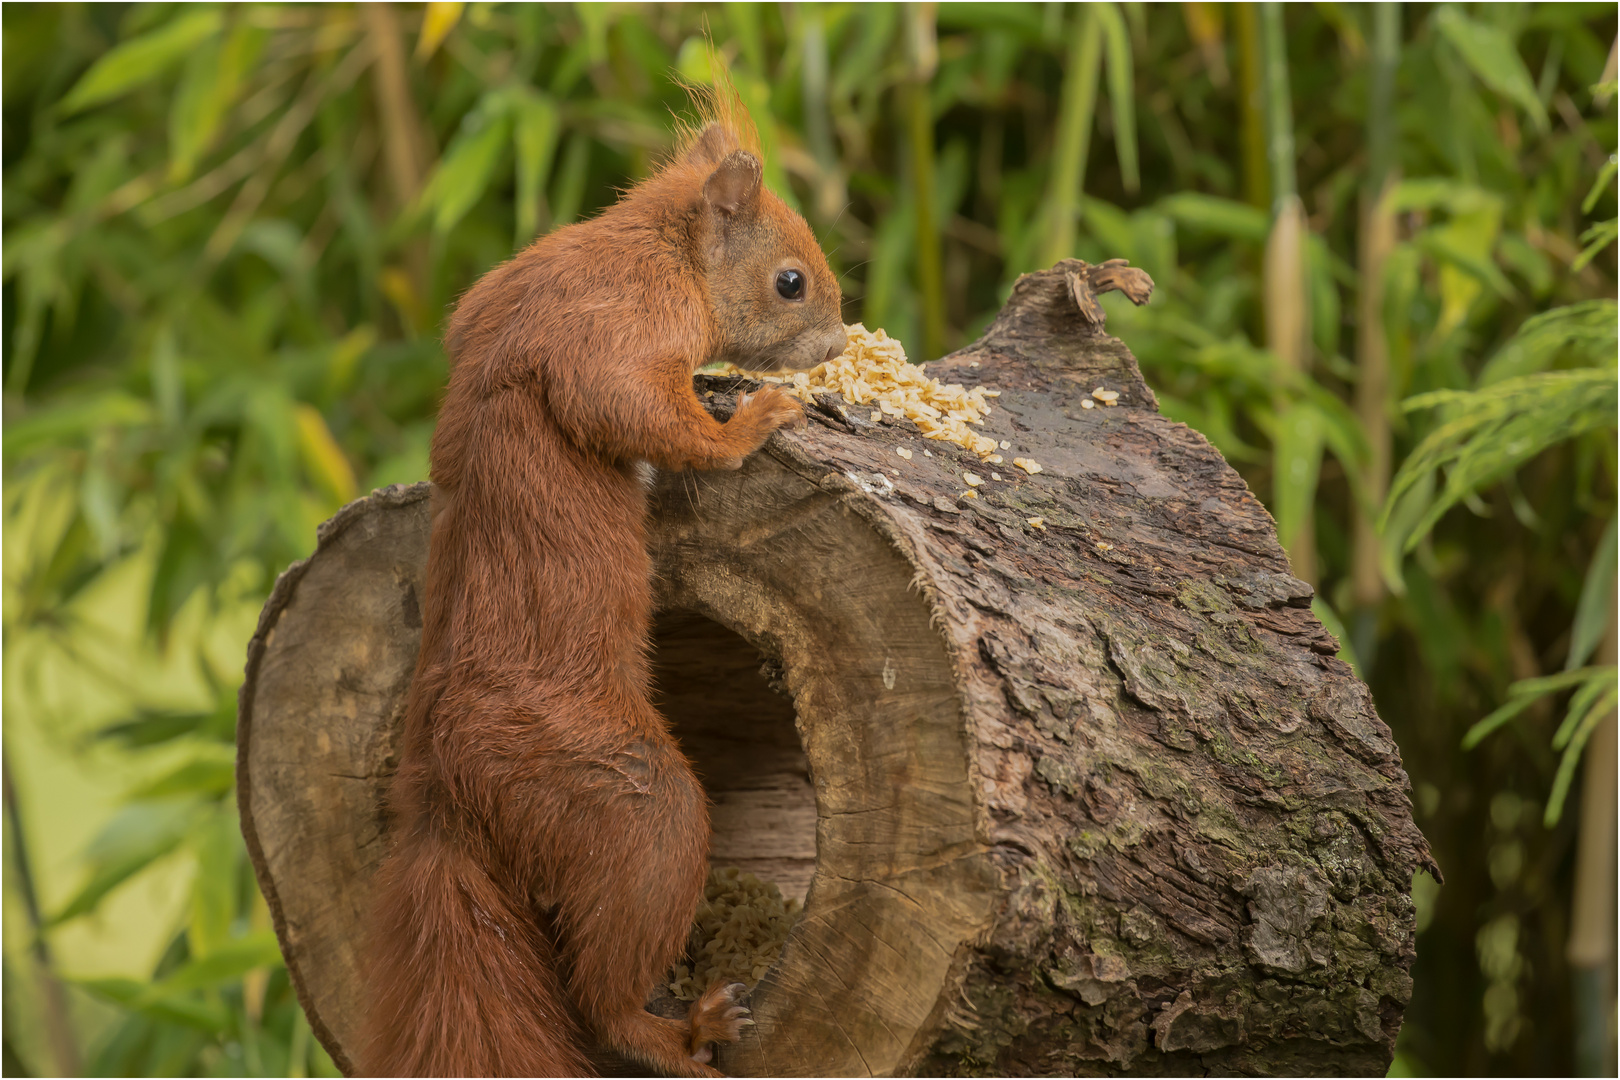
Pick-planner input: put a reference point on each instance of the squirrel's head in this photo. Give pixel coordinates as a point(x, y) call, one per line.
point(776, 301)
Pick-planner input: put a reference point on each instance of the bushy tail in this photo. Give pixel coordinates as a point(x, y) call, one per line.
point(460, 979)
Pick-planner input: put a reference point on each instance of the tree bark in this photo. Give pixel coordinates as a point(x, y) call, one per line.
point(1092, 796)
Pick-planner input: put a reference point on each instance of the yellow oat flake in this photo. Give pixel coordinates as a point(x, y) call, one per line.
point(873, 371)
point(1029, 465)
point(903, 452)
point(1037, 523)
point(972, 479)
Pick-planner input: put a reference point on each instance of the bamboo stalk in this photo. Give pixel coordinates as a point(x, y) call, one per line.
point(1375, 240)
point(405, 143)
point(1251, 106)
point(1288, 333)
point(1287, 310)
point(54, 1006)
point(920, 124)
point(1591, 951)
point(1279, 106)
point(1073, 140)
point(402, 136)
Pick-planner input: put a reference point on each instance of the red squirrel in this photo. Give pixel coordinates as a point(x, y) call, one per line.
point(549, 841)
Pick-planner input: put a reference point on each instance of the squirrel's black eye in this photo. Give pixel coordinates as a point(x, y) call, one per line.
point(790, 285)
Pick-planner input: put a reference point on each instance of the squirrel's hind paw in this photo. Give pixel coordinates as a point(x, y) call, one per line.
point(715, 1017)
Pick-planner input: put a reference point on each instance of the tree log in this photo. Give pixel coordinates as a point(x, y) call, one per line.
point(1093, 796)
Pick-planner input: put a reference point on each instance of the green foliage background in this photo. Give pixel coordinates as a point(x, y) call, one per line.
point(231, 233)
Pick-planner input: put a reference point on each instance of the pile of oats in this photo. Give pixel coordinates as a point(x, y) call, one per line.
point(873, 371)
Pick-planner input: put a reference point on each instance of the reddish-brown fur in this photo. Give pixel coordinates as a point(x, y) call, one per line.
point(550, 841)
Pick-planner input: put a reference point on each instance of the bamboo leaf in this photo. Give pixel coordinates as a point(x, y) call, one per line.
point(1514, 706)
point(1580, 703)
point(74, 421)
point(535, 131)
point(438, 19)
point(568, 187)
point(209, 777)
point(1596, 239)
point(1457, 246)
point(1489, 432)
point(1431, 192)
point(469, 163)
point(226, 964)
point(217, 844)
point(196, 111)
point(192, 1012)
point(1572, 757)
point(208, 90)
point(1223, 217)
point(137, 837)
point(140, 60)
point(1548, 684)
point(1585, 331)
point(1022, 19)
point(1597, 593)
point(152, 728)
point(181, 569)
point(871, 40)
point(323, 458)
point(1604, 175)
point(1491, 56)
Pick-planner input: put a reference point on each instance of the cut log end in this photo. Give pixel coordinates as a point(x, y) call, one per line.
point(1089, 797)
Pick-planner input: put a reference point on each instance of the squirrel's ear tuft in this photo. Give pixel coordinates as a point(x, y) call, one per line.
point(733, 187)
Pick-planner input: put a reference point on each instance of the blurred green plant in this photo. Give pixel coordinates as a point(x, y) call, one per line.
point(1517, 412)
point(232, 232)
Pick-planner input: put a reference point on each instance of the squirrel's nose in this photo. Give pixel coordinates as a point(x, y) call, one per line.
point(835, 348)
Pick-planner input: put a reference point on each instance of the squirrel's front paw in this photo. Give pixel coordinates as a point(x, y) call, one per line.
point(717, 1017)
point(769, 409)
